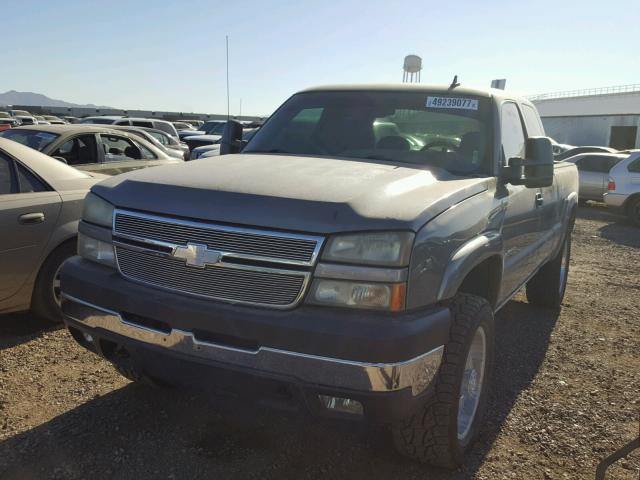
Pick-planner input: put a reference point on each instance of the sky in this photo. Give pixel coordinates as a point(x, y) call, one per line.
point(170, 54)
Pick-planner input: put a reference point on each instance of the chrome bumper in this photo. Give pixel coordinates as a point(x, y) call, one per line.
point(415, 373)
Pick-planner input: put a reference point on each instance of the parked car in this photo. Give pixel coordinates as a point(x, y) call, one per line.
point(40, 206)
point(559, 148)
point(19, 113)
point(201, 141)
point(70, 119)
point(93, 148)
point(212, 127)
point(194, 123)
point(136, 122)
point(593, 171)
point(623, 189)
point(5, 115)
point(150, 137)
point(169, 142)
point(7, 123)
point(53, 120)
point(577, 150)
point(355, 276)
point(26, 119)
point(183, 126)
point(207, 151)
point(40, 120)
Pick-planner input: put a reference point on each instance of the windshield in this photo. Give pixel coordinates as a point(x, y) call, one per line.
point(101, 121)
point(446, 131)
point(31, 138)
point(213, 128)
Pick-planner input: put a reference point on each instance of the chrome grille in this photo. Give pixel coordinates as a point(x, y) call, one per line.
point(227, 283)
point(289, 248)
point(238, 265)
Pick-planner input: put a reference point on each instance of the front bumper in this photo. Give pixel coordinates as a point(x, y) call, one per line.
point(383, 360)
point(414, 374)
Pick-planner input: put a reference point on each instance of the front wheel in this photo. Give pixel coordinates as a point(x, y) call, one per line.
point(447, 424)
point(633, 212)
point(46, 298)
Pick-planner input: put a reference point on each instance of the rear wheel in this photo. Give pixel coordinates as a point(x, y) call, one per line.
point(447, 424)
point(633, 212)
point(547, 287)
point(46, 298)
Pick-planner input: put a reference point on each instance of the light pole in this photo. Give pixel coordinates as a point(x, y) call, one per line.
point(227, 41)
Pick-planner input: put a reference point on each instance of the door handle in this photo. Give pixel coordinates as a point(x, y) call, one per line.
point(539, 199)
point(29, 218)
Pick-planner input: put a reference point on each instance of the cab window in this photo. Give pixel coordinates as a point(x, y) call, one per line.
point(532, 121)
point(513, 143)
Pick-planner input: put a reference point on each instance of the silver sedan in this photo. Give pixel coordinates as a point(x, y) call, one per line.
point(623, 187)
point(40, 206)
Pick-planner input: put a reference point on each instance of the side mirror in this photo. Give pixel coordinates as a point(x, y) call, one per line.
point(534, 171)
point(62, 159)
point(231, 141)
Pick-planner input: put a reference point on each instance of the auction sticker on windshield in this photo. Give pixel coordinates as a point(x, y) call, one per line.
point(452, 102)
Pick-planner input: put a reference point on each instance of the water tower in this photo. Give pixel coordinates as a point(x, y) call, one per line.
point(412, 67)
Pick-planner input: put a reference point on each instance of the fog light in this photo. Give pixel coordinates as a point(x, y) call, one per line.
point(338, 404)
point(87, 337)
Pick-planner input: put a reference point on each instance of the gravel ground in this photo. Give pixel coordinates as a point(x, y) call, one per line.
point(566, 394)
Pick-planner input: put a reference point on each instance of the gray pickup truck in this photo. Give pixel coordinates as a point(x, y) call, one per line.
point(350, 260)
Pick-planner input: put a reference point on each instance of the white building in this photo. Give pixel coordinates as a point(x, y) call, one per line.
point(607, 116)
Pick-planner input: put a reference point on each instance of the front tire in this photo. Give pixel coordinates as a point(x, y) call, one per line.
point(46, 298)
point(633, 212)
point(447, 424)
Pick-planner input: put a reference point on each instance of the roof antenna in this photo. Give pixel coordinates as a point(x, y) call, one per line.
point(454, 83)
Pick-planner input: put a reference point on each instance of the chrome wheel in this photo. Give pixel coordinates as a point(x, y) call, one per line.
point(55, 286)
point(472, 382)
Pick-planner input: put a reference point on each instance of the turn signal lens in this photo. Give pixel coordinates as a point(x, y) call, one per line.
point(340, 293)
point(611, 185)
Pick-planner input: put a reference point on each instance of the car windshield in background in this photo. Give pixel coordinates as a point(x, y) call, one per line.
point(213, 128)
point(31, 138)
point(100, 121)
point(445, 131)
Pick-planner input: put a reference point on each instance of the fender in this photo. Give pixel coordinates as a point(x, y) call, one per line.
point(466, 258)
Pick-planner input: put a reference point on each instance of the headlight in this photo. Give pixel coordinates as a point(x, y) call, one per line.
point(97, 211)
point(385, 248)
point(340, 293)
point(96, 250)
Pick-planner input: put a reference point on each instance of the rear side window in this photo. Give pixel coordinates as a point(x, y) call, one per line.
point(634, 167)
point(8, 182)
point(532, 121)
point(513, 144)
point(29, 182)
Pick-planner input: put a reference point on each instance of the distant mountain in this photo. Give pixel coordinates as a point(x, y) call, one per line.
point(37, 99)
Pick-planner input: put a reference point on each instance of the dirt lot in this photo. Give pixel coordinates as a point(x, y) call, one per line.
point(566, 394)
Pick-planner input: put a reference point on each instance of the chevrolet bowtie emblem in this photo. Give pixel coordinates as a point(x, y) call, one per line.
point(197, 255)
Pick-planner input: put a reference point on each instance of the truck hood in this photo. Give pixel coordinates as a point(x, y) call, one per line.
point(298, 193)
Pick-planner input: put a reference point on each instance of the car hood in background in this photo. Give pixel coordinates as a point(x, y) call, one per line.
point(309, 194)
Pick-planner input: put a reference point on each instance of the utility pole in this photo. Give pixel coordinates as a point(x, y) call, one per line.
point(240, 114)
point(227, 40)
